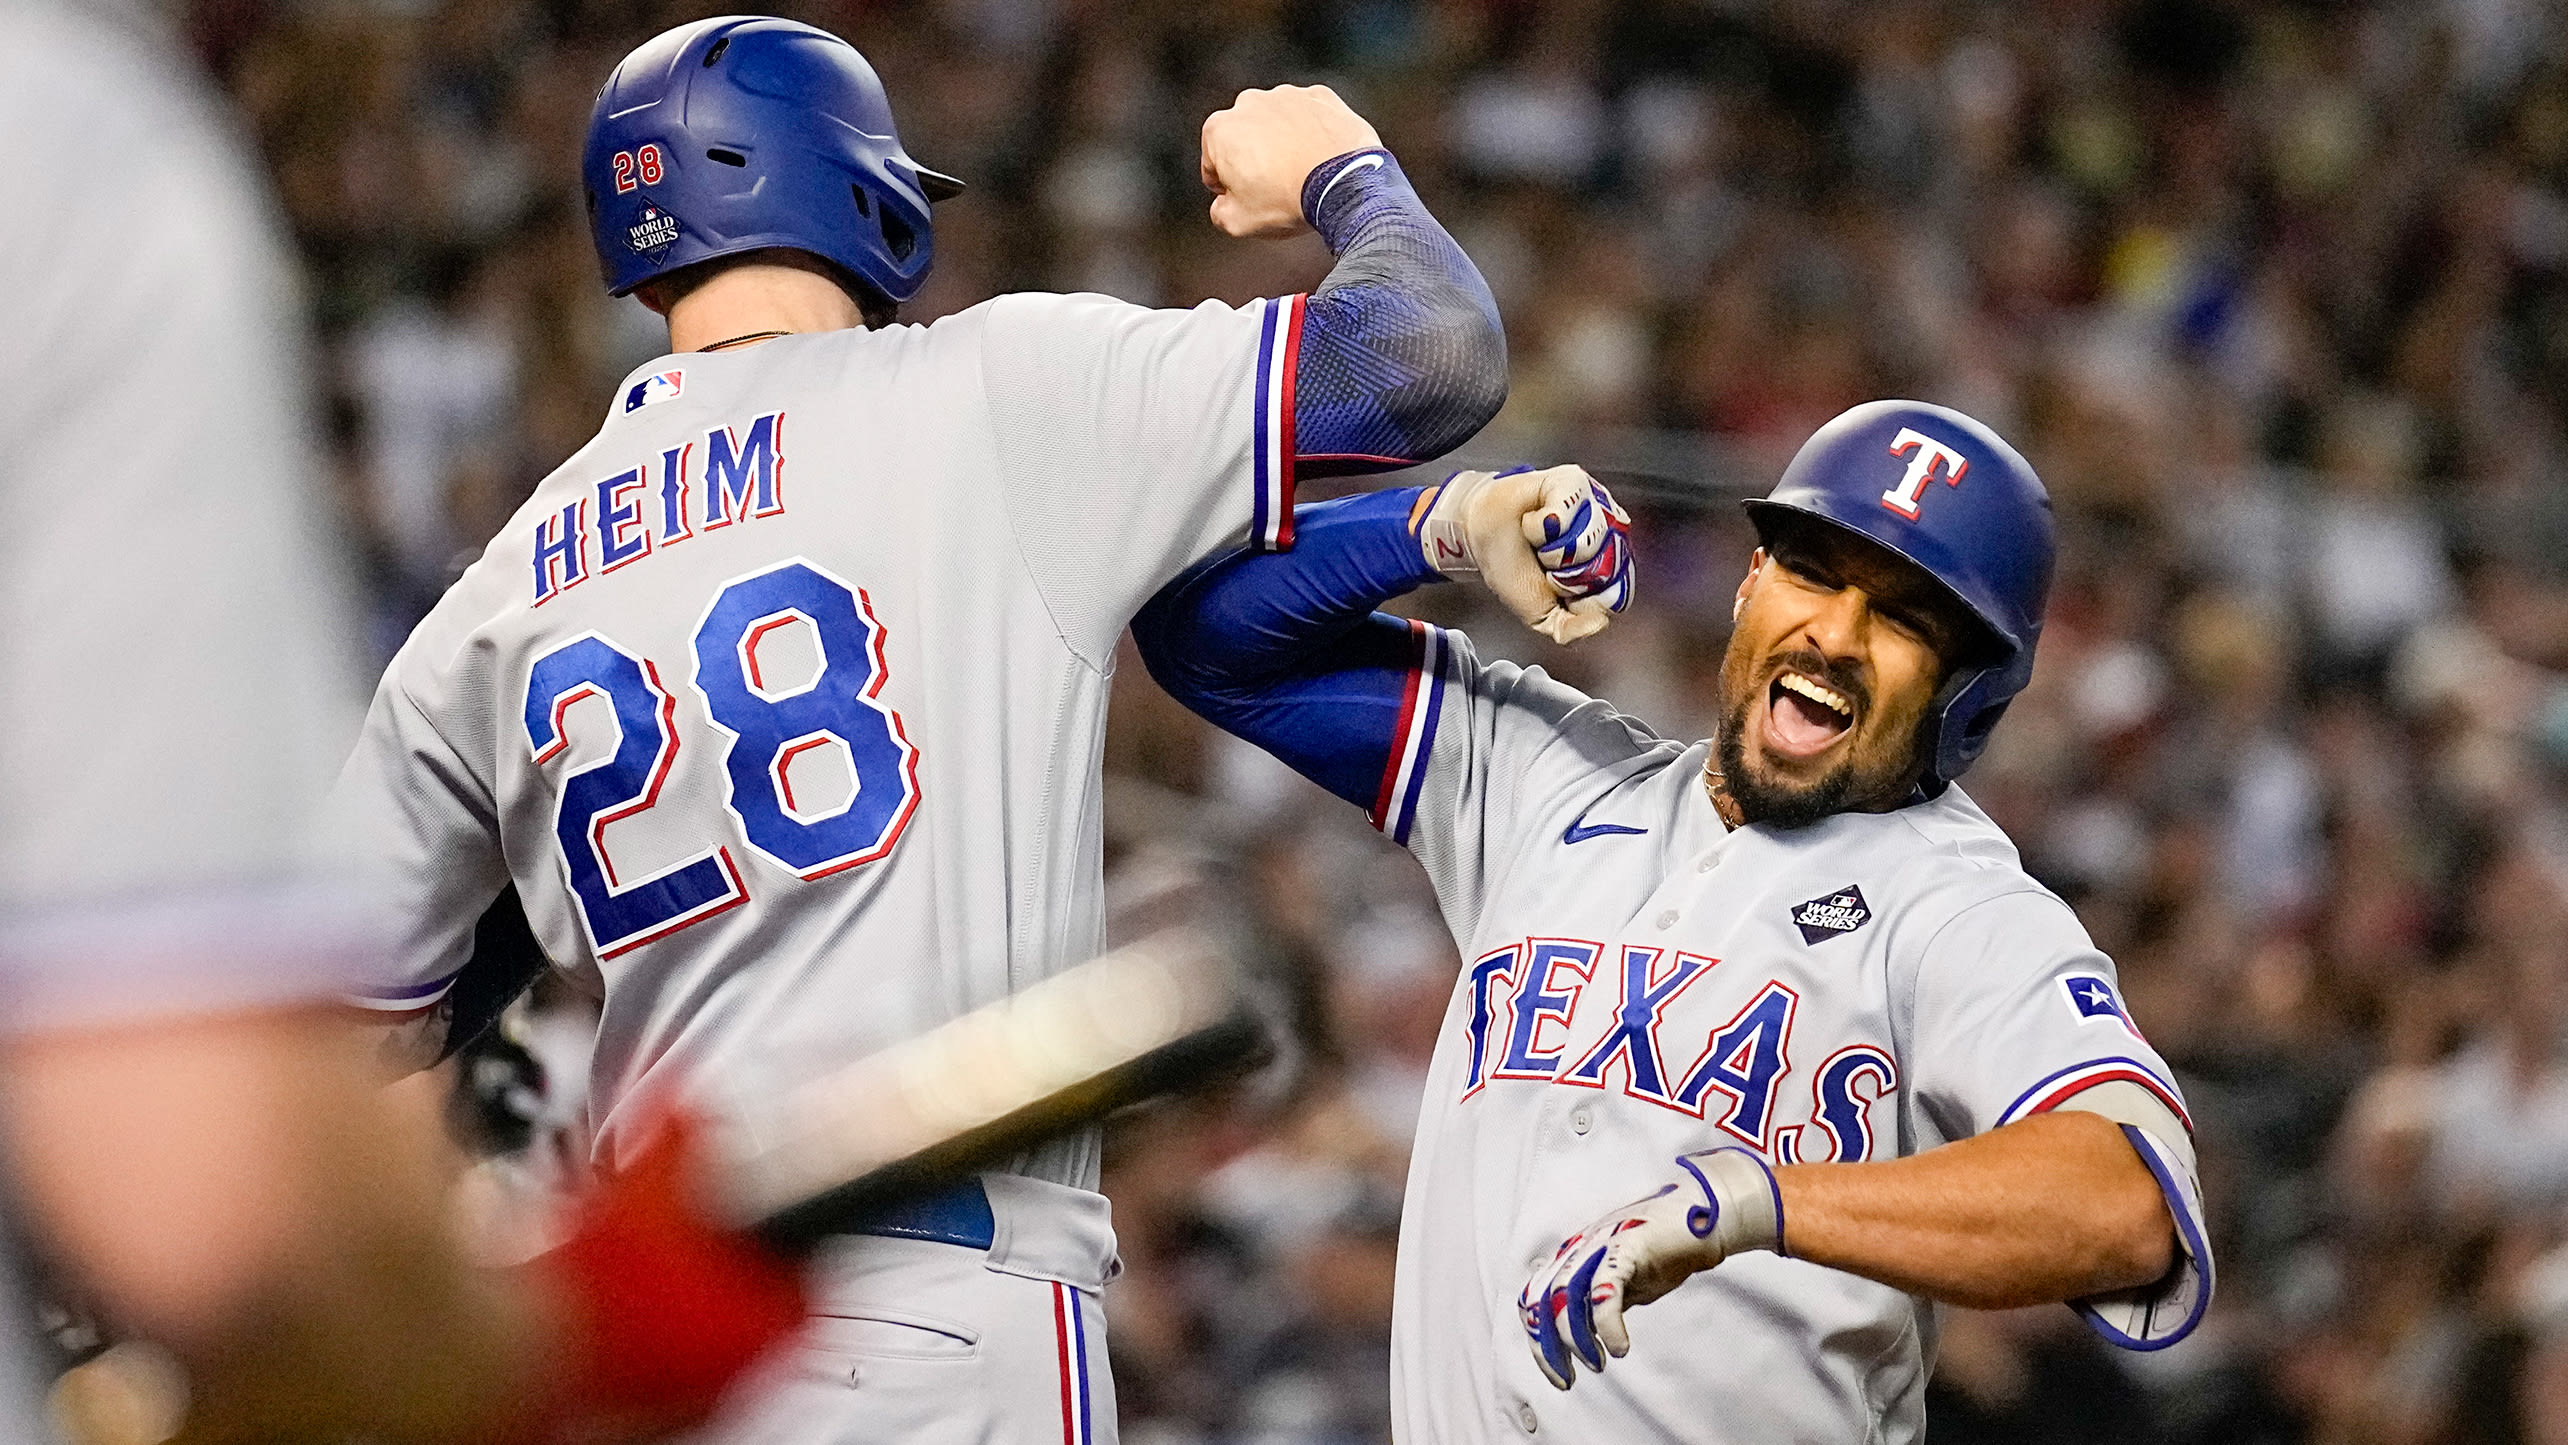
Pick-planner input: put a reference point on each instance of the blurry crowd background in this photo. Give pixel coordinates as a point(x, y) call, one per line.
point(2276, 298)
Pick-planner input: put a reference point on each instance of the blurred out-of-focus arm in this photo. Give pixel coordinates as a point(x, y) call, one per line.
point(197, 1144)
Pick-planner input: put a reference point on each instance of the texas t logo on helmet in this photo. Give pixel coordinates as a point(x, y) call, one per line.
point(1903, 498)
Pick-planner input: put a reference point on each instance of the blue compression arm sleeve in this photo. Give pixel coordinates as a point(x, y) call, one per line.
point(1402, 355)
point(1284, 648)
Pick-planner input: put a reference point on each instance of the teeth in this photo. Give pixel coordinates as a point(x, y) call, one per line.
point(1795, 682)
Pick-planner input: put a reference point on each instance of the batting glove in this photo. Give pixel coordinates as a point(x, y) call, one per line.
point(1722, 1202)
point(1551, 544)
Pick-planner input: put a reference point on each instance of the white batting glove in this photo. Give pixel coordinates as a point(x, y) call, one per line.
point(1722, 1202)
point(1552, 545)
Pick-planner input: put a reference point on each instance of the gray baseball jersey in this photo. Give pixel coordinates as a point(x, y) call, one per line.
point(1641, 982)
point(781, 701)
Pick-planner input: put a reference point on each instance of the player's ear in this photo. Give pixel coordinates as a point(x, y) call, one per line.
point(1756, 564)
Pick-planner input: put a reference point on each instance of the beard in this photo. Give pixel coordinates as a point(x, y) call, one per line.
point(1775, 804)
point(1861, 780)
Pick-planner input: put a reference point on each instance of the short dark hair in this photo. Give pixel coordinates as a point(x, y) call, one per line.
point(664, 291)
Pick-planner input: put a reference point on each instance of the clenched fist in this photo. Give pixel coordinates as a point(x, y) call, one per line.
point(1550, 544)
point(1259, 151)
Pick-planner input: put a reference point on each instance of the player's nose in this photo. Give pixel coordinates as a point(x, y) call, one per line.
point(1837, 624)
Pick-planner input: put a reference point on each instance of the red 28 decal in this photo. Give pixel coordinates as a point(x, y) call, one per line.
point(644, 163)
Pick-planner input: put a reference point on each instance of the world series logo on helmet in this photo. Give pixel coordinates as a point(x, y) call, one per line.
point(656, 231)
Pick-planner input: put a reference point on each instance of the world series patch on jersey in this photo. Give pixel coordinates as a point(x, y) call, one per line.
point(1643, 982)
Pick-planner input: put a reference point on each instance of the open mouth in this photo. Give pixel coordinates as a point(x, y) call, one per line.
point(1804, 716)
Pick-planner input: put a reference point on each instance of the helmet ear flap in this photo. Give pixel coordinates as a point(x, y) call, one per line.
point(1937, 726)
point(1961, 746)
point(1965, 712)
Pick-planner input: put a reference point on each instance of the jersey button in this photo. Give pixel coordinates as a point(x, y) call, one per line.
point(1525, 1418)
point(1579, 1120)
point(1667, 919)
point(1707, 865)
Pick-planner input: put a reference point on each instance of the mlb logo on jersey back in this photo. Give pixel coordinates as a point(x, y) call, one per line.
point(658, 387)
point(2092, 997)
point(1842, 911)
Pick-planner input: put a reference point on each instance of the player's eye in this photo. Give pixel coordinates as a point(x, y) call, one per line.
point(1907, 622)
point(1812, 574)
point(1928, 627)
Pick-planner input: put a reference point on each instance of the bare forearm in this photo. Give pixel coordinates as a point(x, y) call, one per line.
point(2052, 1208)
point(243, 1191)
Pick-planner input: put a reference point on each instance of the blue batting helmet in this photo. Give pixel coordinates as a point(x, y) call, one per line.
point(743, 133)
point(1952, 497)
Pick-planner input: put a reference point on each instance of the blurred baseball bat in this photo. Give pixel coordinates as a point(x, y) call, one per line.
point(1163, 1015)
point(1158, 1016)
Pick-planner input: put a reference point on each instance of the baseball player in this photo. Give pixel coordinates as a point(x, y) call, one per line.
point(780, 702)
point(194, 1140)
point(1770, 1033)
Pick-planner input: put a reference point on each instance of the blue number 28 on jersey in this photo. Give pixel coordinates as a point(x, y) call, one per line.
point(768, 725)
